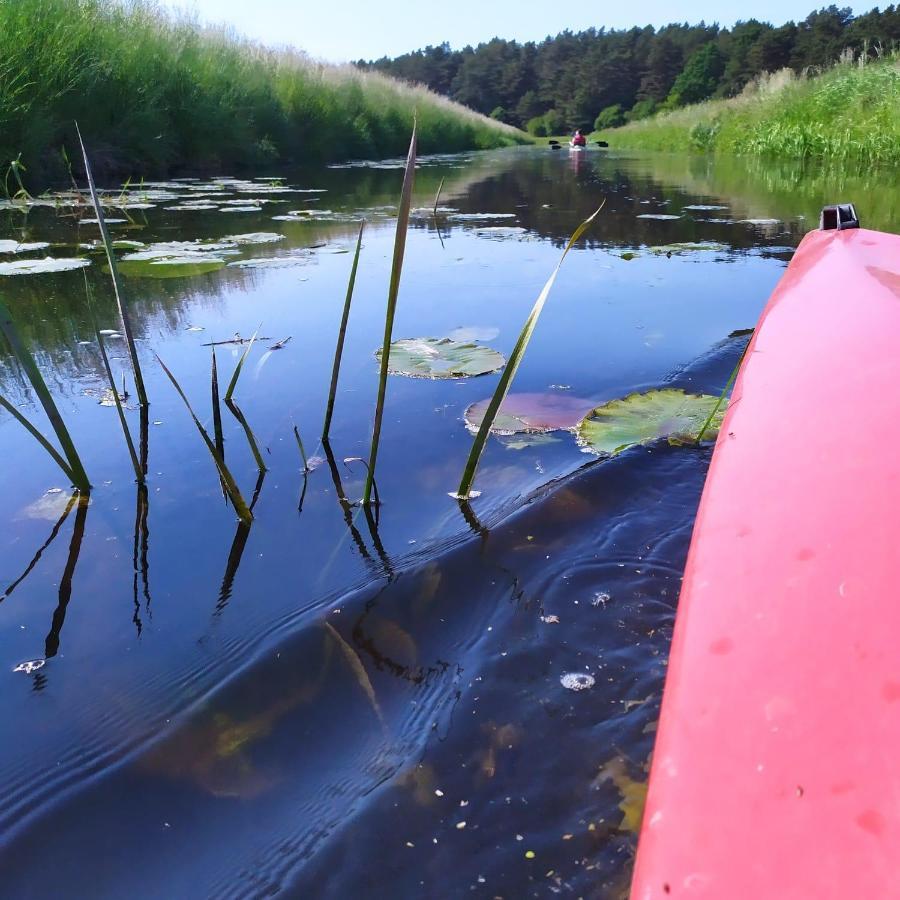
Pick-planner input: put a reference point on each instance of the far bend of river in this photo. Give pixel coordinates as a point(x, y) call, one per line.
point(326, 705)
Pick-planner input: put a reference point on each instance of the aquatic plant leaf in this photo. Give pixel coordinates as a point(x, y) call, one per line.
point(254, 237)
point(531, 413)
point(660, 216)
point(227, 478)
point(441, 358)
point(464, 491)
point(174, 267)
point(642, 418)
point(342, 332)
point(113, 271)
point(358, 669)
point(42, 266)
point(16, 247)
point(409, 177)
point(72, 466)
point(272, 262)
point(679, 249)
point(240, 365)
point(634, 793)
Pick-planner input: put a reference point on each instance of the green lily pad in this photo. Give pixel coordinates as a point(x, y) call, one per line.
point(170, 267)
point(679, 249)
point(40, 266)
point(441, 358)
point(643, 418)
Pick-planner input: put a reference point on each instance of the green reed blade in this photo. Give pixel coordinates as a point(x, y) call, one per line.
point(234, 493)
point(116, 278)
point(731, 379)
point(342, 332)
point(251, 438)
point(38, 436)
point(512, 365)
point(302, 451)
point(74, 468)
point(138, 471)
point(237, 369)
point(216, 407)
point(393, 290)
point(437, 198)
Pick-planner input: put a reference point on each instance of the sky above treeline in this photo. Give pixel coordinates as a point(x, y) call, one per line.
point(368, 29)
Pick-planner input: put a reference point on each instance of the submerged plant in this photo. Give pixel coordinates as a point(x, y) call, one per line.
point(342, 332)
point(71, 465)
point(464, 491)
point(114, 274)
point(409, 175)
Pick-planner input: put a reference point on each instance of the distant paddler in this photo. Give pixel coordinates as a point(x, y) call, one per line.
point(578, 139)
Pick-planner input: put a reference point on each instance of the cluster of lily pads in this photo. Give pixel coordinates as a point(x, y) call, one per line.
point(605, 429)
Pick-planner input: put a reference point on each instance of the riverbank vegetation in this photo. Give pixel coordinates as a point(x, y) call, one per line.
point(608, 77)
point(850, 112)
point(155, 94)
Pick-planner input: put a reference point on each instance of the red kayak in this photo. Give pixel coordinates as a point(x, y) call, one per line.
point(776, 772)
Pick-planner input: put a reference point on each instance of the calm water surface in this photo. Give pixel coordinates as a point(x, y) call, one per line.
point(324, 704)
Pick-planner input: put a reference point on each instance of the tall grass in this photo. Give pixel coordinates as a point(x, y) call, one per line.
point(848, 113)
point(155, 92)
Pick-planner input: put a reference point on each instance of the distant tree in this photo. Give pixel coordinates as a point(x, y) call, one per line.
point(736, 46)
point(700, 77)
point(529, 106)
point(821, 37)
point(664, 63)
point(554, 122)
point(610, 117)
point(773, 49)
point(499, 113)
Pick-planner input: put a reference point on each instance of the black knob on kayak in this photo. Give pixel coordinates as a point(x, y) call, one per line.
point(838, 217)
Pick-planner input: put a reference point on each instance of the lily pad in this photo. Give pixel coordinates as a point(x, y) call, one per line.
point(532, 413)
point(16, 247)
point(662, 216)
point(272, 262)
point(643, 418)
point(41, 266)
point(184, 266)
point(679, 249)
point(441, 358)
point(255, 237)
point(702, 206)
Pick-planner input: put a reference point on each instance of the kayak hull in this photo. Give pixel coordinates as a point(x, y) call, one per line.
point(776, 771)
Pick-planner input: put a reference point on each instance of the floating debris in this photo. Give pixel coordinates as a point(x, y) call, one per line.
point(31, 665)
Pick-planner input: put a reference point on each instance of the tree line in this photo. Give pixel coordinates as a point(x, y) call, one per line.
point(603, 78)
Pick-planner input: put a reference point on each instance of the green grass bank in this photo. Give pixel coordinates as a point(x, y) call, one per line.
point(155, 95)
point(849, 113)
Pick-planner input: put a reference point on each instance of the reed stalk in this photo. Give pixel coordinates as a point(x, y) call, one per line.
point(240, 365)
point(138, 470)
point(437, 198)
point(248, 431)
point(728, 384)
point(393, 290)
point(234, 493)
point(72, 465)
point(216, 407)
point(342, 332)
point(116, 277)
point(464, 492)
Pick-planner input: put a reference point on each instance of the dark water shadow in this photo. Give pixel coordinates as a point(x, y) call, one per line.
point(51, 644)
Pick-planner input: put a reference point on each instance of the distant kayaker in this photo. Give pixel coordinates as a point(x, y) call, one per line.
point(578, 139)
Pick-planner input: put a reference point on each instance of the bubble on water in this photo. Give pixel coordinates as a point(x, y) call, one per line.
point(31, 665)
point(577, 681)
point(601, 598)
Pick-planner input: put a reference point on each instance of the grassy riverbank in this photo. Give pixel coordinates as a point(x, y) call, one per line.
point(154, 95)
point(848, 113)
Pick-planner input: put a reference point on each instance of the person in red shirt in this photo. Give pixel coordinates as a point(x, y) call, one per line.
point(578, 139)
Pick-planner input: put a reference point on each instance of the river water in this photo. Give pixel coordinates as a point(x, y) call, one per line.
point(328, 702)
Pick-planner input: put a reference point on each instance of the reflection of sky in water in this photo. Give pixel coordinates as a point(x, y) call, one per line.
point(129, 661)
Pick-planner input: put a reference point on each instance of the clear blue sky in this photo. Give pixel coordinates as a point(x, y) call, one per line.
point(339, 30)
